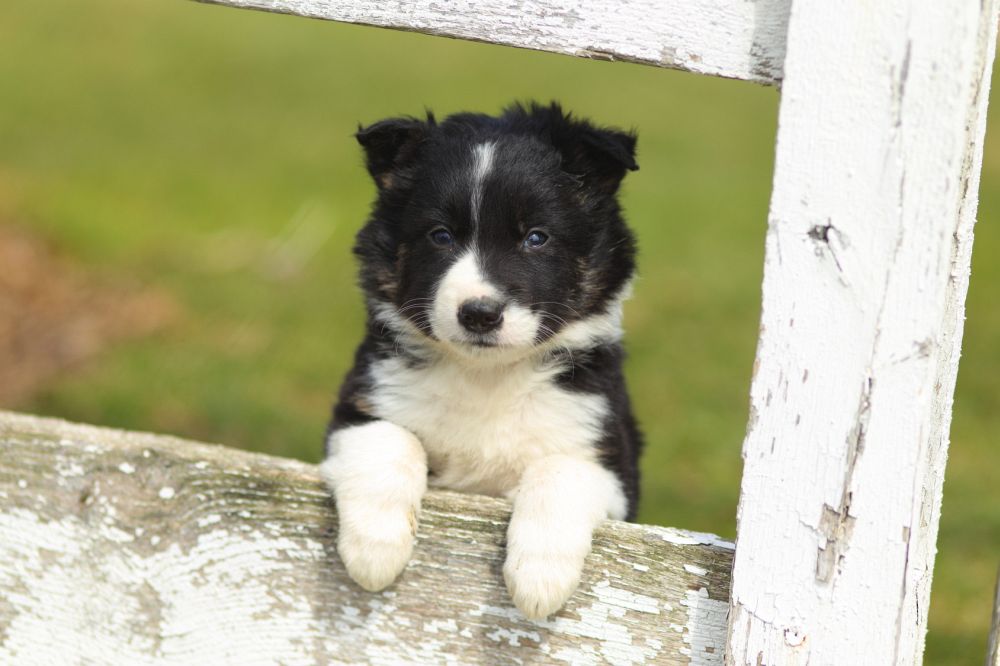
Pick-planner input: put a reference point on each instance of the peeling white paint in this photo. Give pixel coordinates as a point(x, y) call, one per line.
point(625, 599)
point(513, 637)
point(879, 148)
point(235, 576)
point(742, 40)
point(597, 621)
point(703, 615)
point(434, 626)
point(686, 538)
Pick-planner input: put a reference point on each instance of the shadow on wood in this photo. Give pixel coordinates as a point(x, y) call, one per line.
point(121, 547)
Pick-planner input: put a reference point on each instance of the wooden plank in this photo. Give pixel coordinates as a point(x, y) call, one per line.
point(120, 547)
point(993, 649)
point(867, 262)
point(728, 38)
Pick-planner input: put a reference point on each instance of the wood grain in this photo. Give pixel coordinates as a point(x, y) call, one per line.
point(129, 548)
point(728, 38)
point(883, 110)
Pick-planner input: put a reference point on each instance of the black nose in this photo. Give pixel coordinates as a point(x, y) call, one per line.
point(481, 315)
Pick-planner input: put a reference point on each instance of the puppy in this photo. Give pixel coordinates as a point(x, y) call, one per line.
point(494, 265)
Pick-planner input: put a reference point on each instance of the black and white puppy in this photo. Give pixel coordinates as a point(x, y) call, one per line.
point(494, 265)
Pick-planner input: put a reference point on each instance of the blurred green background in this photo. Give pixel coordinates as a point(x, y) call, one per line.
point(208, 152)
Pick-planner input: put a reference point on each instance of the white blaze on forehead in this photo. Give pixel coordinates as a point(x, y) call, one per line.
point(482, 164)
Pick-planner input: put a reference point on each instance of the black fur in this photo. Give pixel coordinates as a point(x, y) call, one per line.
point(551, 172)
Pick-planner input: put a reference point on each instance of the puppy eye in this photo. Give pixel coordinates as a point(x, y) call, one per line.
point(442, 237)
point(535, 239)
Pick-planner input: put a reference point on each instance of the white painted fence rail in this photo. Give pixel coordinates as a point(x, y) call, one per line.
point(730, 38)
point(868, 251)
point(883, 110)
point(128, 548)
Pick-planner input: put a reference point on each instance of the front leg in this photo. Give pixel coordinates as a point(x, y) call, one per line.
point(557, 504)
point(378, 474)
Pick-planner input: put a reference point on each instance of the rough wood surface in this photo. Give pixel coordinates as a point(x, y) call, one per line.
point(993, 648)
point(128, 548)
point(879, 150)
point(730, 38)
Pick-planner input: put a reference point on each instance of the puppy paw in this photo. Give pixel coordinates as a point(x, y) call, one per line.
point(378, 474)
point(376, 553)
point(541, 582)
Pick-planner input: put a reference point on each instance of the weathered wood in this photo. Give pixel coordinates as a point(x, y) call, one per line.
point(870, 233)
point(728, 38)
point(120, 547)
point(993, 648)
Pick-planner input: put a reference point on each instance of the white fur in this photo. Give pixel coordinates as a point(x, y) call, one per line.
point(378, 474)
point(520, 326)
point(463, 281)
point(596, 329)
point(582, 334)
point(490, 421)
point(482, 426)
point(557, 505)
point(511, 431)
point(482, 164)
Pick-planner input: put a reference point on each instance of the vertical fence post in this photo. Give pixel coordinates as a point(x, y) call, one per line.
point(868, 248)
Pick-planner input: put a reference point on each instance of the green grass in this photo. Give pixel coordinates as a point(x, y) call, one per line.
point(180, 143)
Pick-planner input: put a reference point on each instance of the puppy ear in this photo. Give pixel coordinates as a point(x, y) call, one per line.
point(599, 156)
point(390, 145)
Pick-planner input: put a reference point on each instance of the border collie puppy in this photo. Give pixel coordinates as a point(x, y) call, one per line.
point(494, 266)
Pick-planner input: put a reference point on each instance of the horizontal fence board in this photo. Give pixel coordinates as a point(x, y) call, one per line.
point(120, 547)
point(729, 38)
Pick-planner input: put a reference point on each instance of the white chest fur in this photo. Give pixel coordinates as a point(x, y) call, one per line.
point(480, 427)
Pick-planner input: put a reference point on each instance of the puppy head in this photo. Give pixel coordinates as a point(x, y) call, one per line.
point(495, 233)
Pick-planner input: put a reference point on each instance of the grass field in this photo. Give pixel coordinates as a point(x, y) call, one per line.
point(208, 152)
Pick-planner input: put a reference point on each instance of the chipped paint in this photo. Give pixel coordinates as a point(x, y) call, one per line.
point(241, 566)
point(704, 614)
point(866, 269)
point(741, 40)
point(697, 571)
point(685, 538)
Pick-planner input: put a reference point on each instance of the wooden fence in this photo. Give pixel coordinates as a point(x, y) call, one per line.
point(869, 239)
point(130, 548)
